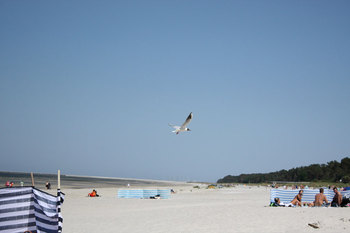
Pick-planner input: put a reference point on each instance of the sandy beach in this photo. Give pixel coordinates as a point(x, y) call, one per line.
point(234, 209)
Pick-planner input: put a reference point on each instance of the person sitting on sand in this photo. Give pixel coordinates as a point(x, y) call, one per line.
point(320, 199)
point(337, 199)
point(297, 199)
point(93, 194)
point(277, 202)
point(346, 200)
point(295, 202)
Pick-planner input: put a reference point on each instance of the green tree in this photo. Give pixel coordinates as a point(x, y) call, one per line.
point(332, 171)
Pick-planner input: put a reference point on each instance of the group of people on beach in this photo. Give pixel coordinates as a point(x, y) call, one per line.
point(9, 184)
point(320, 200)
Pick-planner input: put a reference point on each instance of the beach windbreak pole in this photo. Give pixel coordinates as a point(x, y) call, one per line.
point(32, 176)
point(60, 200)
point(58, 179)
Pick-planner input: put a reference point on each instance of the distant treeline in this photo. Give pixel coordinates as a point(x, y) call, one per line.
point(333, 171)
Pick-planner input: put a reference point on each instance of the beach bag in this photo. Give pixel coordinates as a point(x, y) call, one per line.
point(345, 201)
point(273, 204)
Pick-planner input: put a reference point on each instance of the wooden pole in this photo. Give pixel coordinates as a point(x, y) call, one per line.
point(31, 175)
point(59, 179)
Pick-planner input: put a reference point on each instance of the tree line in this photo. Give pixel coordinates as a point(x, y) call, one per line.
point(333, 171)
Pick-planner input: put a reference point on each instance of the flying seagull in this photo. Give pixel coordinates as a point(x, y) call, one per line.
point(183, 127)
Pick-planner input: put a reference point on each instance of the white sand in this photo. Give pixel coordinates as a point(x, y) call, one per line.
point(238, 209)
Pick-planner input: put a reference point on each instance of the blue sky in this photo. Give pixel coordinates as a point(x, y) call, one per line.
point(89, 87)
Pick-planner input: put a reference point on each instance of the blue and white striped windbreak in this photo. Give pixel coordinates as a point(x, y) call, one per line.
point(144, 193)
point(29, 209)
point(287, 196)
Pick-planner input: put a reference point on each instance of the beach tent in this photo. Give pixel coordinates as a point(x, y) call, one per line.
point(29, 209)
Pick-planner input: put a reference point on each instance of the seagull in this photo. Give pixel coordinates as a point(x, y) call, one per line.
point(183, 127)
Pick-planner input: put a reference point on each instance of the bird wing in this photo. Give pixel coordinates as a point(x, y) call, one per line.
point(189, 118)
point(174, 126)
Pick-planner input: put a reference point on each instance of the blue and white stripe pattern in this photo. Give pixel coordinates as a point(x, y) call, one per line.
point(29, 209)
point(143, 193)
point(287, 196)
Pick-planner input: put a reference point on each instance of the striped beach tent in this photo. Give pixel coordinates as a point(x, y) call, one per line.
point(29, 209)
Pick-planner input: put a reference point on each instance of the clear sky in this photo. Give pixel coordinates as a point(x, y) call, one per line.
point(89, 87)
